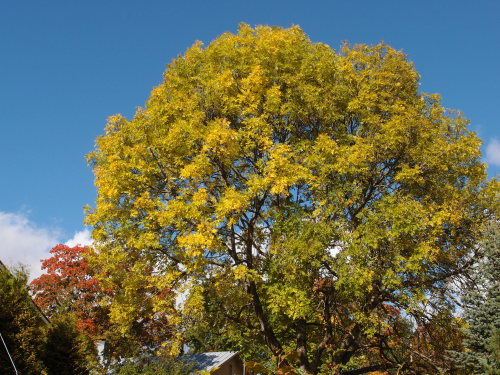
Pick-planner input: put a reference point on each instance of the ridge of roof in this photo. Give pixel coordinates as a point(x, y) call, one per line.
point(209, 360)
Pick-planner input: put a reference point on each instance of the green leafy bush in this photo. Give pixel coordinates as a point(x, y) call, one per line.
point(157, 366)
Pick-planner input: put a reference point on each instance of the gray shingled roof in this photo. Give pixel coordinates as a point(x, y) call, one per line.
point(210, 360)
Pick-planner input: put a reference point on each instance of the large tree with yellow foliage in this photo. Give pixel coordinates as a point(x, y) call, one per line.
point(296, 196)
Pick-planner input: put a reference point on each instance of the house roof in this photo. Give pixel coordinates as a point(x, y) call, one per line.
point(210, 360)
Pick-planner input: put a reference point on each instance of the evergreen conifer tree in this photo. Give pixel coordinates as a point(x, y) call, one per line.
point(482, 310)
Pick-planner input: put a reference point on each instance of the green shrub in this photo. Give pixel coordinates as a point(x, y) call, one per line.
point(157, 366)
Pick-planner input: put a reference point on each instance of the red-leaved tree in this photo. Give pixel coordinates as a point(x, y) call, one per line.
point(69, 285)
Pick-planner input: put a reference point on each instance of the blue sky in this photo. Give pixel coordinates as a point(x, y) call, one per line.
point(67, 65)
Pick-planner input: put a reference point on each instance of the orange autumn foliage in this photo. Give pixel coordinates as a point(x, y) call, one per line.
point(70, 286)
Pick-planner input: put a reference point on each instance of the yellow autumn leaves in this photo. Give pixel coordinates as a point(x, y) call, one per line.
point(261, 152)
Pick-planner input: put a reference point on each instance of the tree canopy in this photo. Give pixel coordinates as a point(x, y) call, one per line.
point(302, 200)
point(37, 346)
point(69, 285)
point(21, 325)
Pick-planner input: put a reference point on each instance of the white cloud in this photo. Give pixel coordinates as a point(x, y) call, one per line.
point(81, 238)
point(24, 242)
point(21, 241)
point(493, 152)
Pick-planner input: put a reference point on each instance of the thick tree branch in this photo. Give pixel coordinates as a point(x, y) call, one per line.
point(301, 329)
